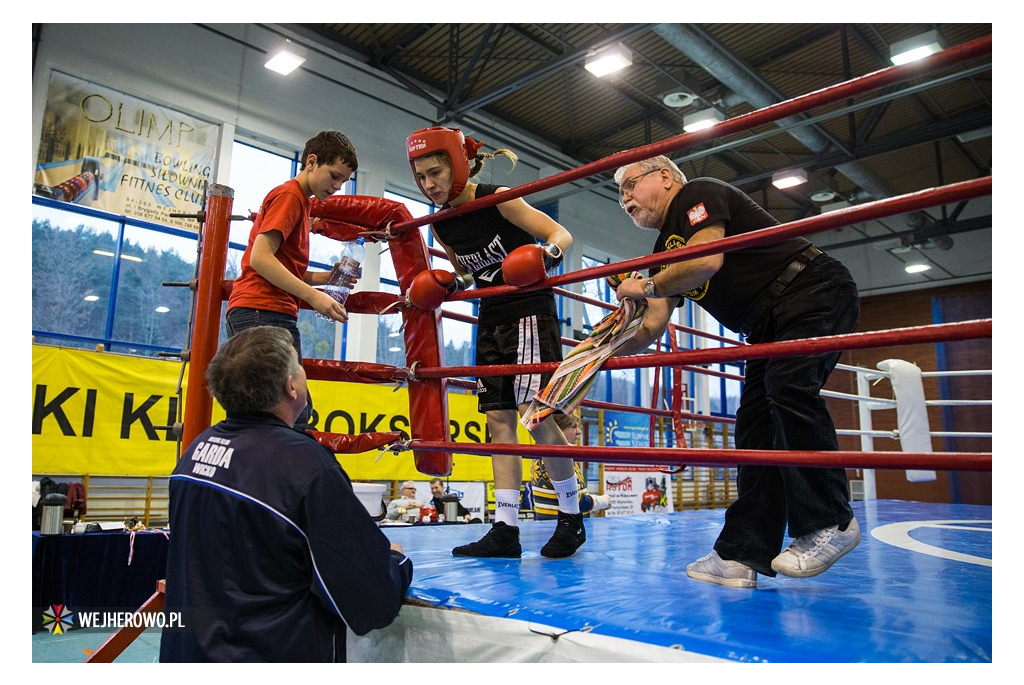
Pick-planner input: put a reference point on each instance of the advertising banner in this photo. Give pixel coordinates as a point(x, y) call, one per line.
point(626, 429)
point(103, 413)
point(632, 489)
point(104, 149)
point(635, 490)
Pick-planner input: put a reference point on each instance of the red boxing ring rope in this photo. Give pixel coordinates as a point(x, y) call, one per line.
point(422, 335)
point(947, 332)
point(954, 461)
point(879, 209)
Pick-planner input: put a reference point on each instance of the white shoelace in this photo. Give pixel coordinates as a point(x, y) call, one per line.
point(810, 545)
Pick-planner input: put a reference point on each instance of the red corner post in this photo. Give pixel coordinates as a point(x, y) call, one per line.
point(428, 397)
point(114, 645)
point(345, 217)
point(213, 256)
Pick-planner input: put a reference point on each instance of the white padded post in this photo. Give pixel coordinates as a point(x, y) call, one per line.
point(911, 411)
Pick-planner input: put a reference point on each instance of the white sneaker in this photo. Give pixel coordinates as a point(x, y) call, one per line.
point(714, 569)
point(812, 554)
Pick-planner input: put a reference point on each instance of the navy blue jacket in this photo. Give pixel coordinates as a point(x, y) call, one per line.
point(271, 553)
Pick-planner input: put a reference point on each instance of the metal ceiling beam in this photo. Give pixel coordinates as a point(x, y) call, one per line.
point(645, 113)
point(733, 74)
point(699, 152)
point(938, 229)
point(384, 57)
point(477, 63)
point(894, 143)
point(542, 73)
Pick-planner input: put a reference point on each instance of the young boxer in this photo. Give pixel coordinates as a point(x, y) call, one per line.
point(496, 246)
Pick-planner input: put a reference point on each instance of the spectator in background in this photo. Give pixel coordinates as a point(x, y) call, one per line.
point(437, 491)
point(545, 499)
point(406, 500)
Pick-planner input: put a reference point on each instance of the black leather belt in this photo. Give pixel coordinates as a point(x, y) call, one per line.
point(764, 302)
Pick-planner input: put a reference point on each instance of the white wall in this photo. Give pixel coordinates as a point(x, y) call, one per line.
point(216, 72)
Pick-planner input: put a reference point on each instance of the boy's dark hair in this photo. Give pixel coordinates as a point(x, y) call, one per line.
point(329, 147)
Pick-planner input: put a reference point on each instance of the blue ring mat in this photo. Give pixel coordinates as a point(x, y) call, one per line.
point(921, 591)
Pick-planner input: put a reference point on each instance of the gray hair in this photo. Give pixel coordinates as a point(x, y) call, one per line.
point(651, 164)
point(248, 372)
point(407, 484)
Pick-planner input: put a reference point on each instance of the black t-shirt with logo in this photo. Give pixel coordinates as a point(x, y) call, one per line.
point(732, 291)
point(481, 240)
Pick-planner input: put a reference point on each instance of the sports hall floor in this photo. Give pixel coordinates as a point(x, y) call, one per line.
point(918, 589)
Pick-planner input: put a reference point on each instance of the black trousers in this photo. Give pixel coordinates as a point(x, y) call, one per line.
point(781, 408)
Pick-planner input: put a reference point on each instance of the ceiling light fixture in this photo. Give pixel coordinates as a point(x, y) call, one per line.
point(705, 118)
point(286, 58)
point(915, 48)
point(788, 179)
point(91, 298)
point(916, 268)
point(609, 60)
point(162, 310)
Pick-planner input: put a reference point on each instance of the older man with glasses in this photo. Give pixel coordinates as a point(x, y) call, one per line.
point(783, 290)
point(406, 501)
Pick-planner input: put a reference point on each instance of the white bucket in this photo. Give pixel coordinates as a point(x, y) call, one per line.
point(372, 497)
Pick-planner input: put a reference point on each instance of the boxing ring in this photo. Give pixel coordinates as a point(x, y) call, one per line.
point(917, 589)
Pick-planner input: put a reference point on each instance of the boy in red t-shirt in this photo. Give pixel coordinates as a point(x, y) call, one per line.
point(274, 277)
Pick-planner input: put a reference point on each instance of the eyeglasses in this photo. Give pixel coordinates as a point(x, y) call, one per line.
point(629, 184)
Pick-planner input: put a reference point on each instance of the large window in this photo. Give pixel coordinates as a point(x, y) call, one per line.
point(99, 278)
point(458, 335)
point(723, 392)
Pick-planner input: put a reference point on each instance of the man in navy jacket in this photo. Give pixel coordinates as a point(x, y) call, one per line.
point(271, 553)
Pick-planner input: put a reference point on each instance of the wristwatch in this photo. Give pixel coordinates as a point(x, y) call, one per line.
point(649, 288)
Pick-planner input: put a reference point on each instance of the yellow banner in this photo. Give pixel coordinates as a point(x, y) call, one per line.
point(101, 413)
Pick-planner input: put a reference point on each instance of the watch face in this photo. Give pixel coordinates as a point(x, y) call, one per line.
point(649, 287)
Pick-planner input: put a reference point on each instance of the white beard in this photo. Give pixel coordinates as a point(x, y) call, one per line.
point(646, 219)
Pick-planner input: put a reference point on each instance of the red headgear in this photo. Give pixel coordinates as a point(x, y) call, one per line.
point(461, 153)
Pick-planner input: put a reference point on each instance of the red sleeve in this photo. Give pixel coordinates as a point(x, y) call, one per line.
point(283, 212)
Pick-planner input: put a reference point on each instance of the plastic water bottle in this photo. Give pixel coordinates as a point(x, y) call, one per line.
point(352, 256)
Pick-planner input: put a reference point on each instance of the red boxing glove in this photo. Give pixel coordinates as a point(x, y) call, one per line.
point(429, 288)
point(529, 264)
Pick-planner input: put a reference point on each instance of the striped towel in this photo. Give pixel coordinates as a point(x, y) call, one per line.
point(574, 376)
